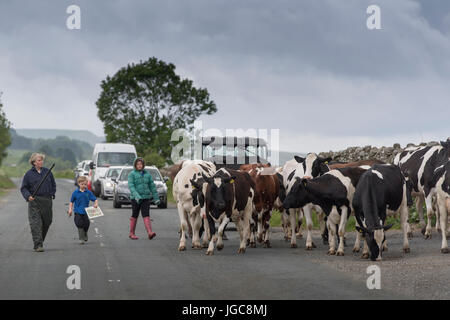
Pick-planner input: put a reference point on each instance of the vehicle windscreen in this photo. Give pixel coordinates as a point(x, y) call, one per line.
point(155, 174)
point(86, 167)
point(107, 159)
point(113, 173)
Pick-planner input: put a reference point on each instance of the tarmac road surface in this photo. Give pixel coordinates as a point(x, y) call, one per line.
point(115, 267)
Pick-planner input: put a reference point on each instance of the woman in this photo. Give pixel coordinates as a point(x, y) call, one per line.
point(142, 189)
point(40, 212)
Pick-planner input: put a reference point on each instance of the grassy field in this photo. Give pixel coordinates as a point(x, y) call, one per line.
point(12, 166)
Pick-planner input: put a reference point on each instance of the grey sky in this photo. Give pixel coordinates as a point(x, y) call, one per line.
point(309, 68)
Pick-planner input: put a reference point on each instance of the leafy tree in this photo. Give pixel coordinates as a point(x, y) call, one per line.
point(153, 158)
point(46, 150)
point(5, 136)
point(143, 103)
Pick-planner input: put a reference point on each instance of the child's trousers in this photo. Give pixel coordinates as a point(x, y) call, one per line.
point(82, 221)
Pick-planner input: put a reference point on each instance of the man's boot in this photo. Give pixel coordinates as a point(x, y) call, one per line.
point(133, 222)
point(148, 227)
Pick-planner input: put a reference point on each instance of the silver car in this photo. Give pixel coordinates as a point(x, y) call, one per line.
point(107, 184)
point(122, 192)
point(82, 169)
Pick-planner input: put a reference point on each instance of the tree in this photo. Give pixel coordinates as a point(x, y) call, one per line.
point(153, 158)
point(5, 136)
point(143, 103)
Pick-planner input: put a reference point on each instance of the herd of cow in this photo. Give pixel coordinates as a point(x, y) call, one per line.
point(369, 189)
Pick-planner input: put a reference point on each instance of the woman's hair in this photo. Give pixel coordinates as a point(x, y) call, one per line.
point(36, 156)
point(82, 179)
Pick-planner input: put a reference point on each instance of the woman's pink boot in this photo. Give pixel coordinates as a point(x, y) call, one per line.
point(148, 227)
point(133, 222)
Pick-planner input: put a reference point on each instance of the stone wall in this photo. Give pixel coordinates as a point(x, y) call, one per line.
point(386, 154)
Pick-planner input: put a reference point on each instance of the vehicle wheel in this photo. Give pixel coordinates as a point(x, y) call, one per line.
point(97, 190)
point(163, 205)
point(116, 204)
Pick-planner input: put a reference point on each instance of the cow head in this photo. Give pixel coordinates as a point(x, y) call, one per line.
point(298, 195)
point(315, 166)
point(375, 239)
point(219, 193)
point(446, 144)
point(198, 197)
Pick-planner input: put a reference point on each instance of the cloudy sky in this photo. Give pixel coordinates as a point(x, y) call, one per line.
point(310, 68)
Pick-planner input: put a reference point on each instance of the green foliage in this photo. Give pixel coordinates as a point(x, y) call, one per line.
point(16, 164)
point(63, 147)
point(169, 185)
point(5, 137)
point(143, 103)
point(153, 158)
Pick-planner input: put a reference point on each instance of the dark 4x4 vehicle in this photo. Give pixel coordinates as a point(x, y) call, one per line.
point(232, 152)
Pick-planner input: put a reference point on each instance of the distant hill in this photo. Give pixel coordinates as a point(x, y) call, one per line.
point(82, 135)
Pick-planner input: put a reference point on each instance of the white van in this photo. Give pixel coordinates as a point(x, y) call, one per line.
point(106, 155)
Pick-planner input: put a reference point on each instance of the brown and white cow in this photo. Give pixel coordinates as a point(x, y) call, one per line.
point(188, 211)
point(228, 197)
point(266, 193)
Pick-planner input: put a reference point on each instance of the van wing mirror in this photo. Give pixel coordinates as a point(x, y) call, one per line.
point(166, 178)
point(92, 165)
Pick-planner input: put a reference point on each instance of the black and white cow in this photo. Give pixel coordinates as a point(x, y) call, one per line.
point(310, 166)
point(381, 188)
point(333, 192)
point(419, 165)
point(189, 210)
point(229, 196)
point(442, 178)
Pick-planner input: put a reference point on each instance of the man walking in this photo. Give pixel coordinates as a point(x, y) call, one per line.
point(40, 212)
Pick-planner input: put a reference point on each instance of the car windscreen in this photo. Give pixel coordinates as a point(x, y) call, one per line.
point(86, 167)
point(113, 173)
point(155, 174)
point(107, 159)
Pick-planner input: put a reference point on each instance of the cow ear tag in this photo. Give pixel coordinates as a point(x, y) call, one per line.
point(193, 187)
point(326, 162)
point(232, 181)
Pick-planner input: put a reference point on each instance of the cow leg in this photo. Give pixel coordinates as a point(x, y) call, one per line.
point(206, 233)
point(443, 218)
point(309, 225)
point(183, 226)
point(244, 226)
point(266, 221)
point(260, 226)
point(331, 237)
point(298, 229)
point(221, 228)
point(429, 205)
point(252, 234)
point(365, 253)
point(404, 213)
point(358, 238)
point(437, 211)
point(212, 232)
point(342, 225)
point(322, 226)
point(419, 208)
point(292, 222)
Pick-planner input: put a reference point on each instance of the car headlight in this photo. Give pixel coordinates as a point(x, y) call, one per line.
point(161, 187)
point(109, 184)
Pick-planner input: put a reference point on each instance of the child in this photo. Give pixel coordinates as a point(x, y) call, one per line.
point(80, 200)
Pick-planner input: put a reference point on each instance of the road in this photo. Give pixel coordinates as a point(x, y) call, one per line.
point(115, 267)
